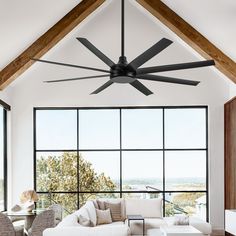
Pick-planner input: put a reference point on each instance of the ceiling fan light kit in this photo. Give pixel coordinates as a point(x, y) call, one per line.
point(130, 72)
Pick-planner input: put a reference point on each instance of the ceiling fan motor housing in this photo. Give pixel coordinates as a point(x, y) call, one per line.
point(122, 72)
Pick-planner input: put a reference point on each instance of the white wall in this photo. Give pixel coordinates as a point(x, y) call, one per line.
point(232, 90)
point(142, 31)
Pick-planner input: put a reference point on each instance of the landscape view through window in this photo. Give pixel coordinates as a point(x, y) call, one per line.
point(84, 154)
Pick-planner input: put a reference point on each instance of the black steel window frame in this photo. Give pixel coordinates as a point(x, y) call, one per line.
point(120, 192)
point(4, 161)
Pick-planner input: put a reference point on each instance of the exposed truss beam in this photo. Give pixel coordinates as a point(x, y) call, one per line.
point(47, 40)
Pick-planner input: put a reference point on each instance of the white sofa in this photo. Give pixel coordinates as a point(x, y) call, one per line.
point(150, 209)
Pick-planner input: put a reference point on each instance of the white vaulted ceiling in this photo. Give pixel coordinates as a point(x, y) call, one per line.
point(22, 22)
point(215, 19)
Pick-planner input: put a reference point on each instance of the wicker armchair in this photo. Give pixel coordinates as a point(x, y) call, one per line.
point(42, 221)
point(58, 210)
point(7, 228)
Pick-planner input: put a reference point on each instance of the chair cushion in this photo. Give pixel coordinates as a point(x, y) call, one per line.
point(148, 208)
point(19, 230)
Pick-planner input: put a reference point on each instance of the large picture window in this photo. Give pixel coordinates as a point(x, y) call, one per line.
point(3, 160)
point(130, 152)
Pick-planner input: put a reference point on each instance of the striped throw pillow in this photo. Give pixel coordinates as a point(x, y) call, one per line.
point(115, 209)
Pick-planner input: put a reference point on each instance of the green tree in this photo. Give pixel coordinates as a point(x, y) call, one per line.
point(60, 174)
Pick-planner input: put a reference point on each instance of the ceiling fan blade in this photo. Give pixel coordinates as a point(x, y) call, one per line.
point(70, 65)
point(139, 86)
point(79, 78)
point(96, 51)
point(167, 79)
point(104, 86)
point(180, 66)
point(150, 53)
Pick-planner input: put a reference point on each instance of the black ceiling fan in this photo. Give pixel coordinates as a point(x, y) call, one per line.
point(124, 72)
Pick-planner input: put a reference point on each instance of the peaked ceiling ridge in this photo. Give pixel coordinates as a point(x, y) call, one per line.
point(86, 7)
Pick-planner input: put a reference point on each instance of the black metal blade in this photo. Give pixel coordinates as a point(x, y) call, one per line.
point(150, 53)
point(167, 79)
point(69, 65)
point(72, 79)
point(180, 66)
point(96, 51)
point(104, 86)
point(139, 86)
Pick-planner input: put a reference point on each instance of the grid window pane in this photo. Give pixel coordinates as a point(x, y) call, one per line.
point(185, 128)
point(185, 170)
point(83, 197)
point(141, 169)
point(192, 204)
point(99, 160)
point(67, 200)
point(56, 129)
point(56, 171)
point(142, 128)
point(99, 171)
point(99, 129)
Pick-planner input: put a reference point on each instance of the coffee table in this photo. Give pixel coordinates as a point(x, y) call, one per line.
point(179, 230)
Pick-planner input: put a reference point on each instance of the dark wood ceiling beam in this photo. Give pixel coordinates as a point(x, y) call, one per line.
point(191, 36)
point(47, 40)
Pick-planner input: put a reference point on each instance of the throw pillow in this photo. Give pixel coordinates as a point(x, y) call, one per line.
point(91, 212)
point(84, 221)
point(95, 204)
point(103, 217)
point(115, 209)
point(101, 205)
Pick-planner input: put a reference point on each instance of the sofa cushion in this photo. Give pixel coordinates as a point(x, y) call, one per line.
point(148, 208)
point(91, 212)
point(82, 212)
point(101, 230)
point(115, 209)
point(103, 216)
point(101, 204)
point(84, 221)
point(116, 200)
point(136, 226)
point(95, 204)
point(197, 223)
point(70, 220)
